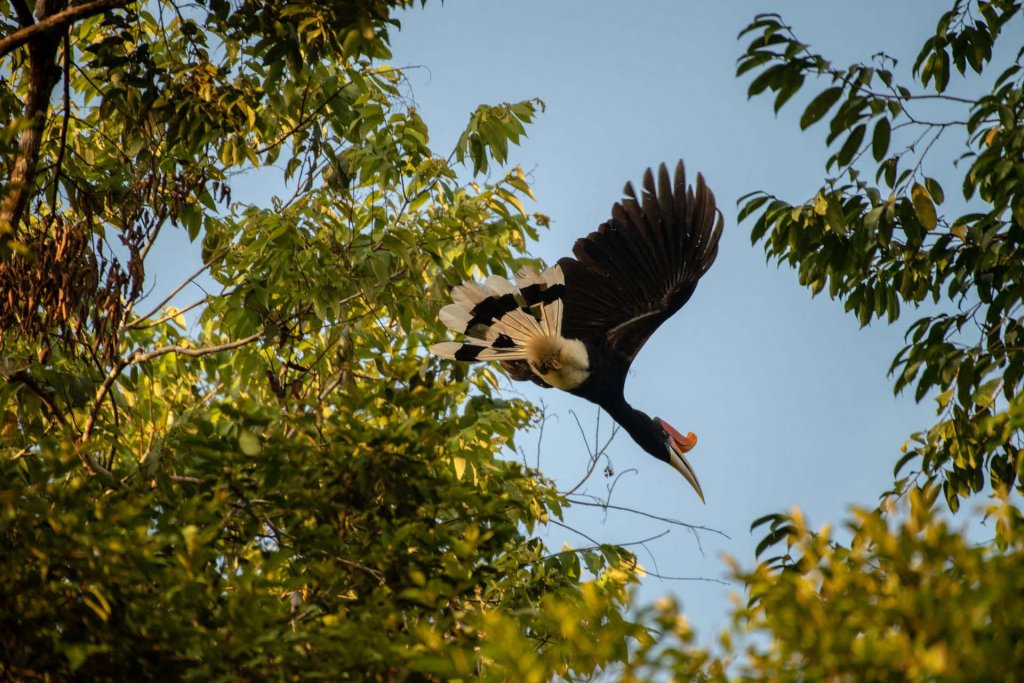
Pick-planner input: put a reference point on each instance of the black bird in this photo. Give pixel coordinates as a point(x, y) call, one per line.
point(578, 325)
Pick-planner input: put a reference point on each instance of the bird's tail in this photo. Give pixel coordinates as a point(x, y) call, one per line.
point(500, 318)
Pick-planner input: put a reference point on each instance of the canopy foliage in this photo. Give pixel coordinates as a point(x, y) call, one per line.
point(909, 596)
point(268, 479)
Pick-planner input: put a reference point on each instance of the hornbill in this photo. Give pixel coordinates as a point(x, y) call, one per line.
point(578, 325)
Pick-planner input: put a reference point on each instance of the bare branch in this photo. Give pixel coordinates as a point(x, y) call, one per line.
point(62, 147)
point(137, 322)
point(140, 357)
point(668, 520)
point(595, 456)
point(575, 531)
point(664, 577)
point(598, 546)
point(362, 567)
point(191, 278)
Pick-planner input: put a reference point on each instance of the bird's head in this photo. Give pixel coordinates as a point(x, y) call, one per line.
point(677, 446)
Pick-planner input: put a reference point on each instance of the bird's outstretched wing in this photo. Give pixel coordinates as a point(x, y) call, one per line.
point(640, 267)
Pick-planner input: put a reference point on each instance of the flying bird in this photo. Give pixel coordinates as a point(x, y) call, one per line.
point(578, 325)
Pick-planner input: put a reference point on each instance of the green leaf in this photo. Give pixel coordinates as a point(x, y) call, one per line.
point(880, 139)
point(819, 106)
point(851, 146)
point(751, 206)
point(935, 190)
point(923, 206)
point(986, 394)
point(834, 213)
point(248, 442)
point(790, 86)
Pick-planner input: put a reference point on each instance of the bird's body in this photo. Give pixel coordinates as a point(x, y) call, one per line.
point(578, 325)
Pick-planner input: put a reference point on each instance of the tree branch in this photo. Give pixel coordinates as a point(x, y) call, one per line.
point(56, 22)
point(669, 520)
point(62, 148)
point(42, 77)
point(24, 12)
point(163, 302)
point(595, 456)
point(141, 323)
point(141, 357)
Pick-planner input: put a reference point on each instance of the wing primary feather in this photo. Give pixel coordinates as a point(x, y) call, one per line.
point(639, 268)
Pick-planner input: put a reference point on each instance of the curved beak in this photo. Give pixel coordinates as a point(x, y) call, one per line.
point(677, 448)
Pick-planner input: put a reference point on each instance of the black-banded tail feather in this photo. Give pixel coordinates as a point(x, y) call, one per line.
point(501, 319)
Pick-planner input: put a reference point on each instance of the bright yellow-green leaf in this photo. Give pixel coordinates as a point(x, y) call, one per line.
point(248, 442)
point(923, 206)
point(820, 205)
point(178, 318)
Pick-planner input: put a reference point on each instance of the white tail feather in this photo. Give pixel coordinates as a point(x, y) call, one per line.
point(499, 286)
point(554, 276)
point(502, 354)
point(528, 276)
point(445, 349)
point(520, 326)
point(551, 318)
point(455, 317)
point(469, 294)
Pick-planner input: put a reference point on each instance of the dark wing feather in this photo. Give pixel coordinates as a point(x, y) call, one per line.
point(520, 371)
point(641, 266)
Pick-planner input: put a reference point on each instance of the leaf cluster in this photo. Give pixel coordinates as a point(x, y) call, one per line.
point(900, 594)
point(272, 480)
point(881, 242)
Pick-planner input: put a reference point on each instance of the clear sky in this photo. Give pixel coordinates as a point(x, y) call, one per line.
point(789, 397)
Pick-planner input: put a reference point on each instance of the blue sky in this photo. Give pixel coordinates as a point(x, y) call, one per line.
point(789, 397)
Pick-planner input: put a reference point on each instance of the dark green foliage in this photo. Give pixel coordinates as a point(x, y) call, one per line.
point(907, 597)
point(885, 245)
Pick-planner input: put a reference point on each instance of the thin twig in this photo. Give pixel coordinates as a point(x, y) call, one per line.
point(62, 147)
point(183, 285)
point(595, 457)
point(668, 520)
point(597, 545)
point(140, 357)
point(575, 531)
point(165, 318)
point(369, 570)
